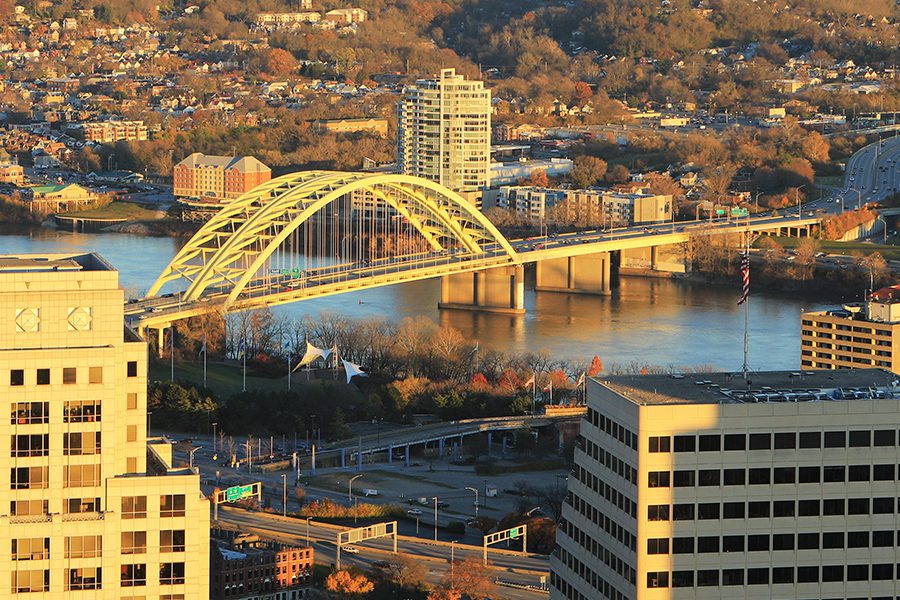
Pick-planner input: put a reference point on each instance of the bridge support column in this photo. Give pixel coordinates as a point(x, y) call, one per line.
point(654, 257)
point(501, 290)
point(586, 274)
point(406, 456)
point(441, 448)
point(343, 458)
point(312, 466)
point(490, 442)
point(390, 454)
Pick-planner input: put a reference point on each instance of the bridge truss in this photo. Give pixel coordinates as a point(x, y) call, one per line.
point(316, 227)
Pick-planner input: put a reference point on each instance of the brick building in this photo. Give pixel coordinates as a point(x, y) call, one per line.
point(219, 178)
point(244, 566)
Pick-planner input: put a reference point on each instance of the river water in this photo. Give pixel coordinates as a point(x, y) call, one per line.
point(648, 321)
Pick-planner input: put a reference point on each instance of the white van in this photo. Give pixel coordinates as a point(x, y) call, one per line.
point(369, 492)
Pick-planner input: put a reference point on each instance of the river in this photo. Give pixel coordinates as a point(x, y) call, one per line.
point(648, 321)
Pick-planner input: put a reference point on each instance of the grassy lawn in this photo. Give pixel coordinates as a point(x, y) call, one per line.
point(223, 379)
point(117, 210)
point(889, 252)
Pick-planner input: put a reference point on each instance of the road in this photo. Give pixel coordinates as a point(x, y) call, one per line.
point(508, 566)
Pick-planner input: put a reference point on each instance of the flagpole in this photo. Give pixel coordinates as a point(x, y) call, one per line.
point(204, 359)
point(289, 366)
point(746, 300)
point(244, 352)
point(172, 353)
point(533, 393)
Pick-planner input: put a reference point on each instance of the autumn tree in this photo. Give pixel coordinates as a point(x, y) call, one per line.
point(596, 367)
point(346, 585)
point(406, 572)
point(539, 178)
point(470, 578)
point(588, 170)
point(279, 63)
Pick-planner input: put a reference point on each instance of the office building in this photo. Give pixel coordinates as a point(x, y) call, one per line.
point(217, 178)
point(855, 336)
point(444, 131)
point(12, 173)
point(93, 508)
point(784, 486)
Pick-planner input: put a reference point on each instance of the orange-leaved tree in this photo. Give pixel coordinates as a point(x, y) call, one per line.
point(346, 585)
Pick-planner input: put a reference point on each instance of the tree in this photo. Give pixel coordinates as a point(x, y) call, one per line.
point(588, 170)
point(406, 572)
point(618, 174)
point(484, 524)
point(280, 62)
point(345, 585)
point(539, 178)
point(470, 578)
point(596, 367)
point(444, 594)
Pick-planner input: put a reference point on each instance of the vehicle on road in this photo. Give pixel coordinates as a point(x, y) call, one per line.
point(414, 512)
point(350, 549)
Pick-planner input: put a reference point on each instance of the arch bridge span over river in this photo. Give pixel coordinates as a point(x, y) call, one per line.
point(645, 320)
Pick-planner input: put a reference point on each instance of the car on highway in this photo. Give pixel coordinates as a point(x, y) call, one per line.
point(350, 549)
point(414, 512)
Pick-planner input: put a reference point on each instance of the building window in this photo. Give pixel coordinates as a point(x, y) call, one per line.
point(810, 475)
point(685, 443)
point(885, 437)
point(86, 578)
point(858, 539)
point(659, 444)
point(835, 439)
point(784, 475)
point(733, 543)
point(708, 577)
point(832, 573)
point(17, 377)
point(95, 375)
point(785, 441)
point(134, 542)
point(81, 411)
point(709, 477)
point(835, 539)
point(81, 505)
point(131, 403)
point(783, 541)
point(30, 413)
point(173, 541)
point(807, 541)
point(683, 545)
point(28, 478)
point(81, 476)
point(37, 444)
point(30, 581)
point(758, 543)
point(733, 510)
point(759, 576)
point(735, 441)
point(682, 579)
point(43, 376)
point(833, 507)
point(655, 545)
point(710, 443)
point(858, 506)
point(171, 573)
point(134, 507)
point(857, 572)
point(658, 512)
point(735, 476)
point(760, 476)
point(732, 577)
point(84, 546)
point(834, 474)
point(859, 473)
point(69, 375)
point(131, 368)
point(78, 444)
point(658, 479)
point(860, 439)
point(131, 433)
point(684, 478)
point(707, 544)
point(21, 508)
point(808, 508)
point(682, 512)
point(133, 575)
point(171, 505)
point(657, 579)
point(760, 441)
point(31, 549)
point(782, 575)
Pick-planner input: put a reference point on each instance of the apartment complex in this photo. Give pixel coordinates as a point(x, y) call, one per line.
point(444, 131)
point(91, 504)
point(244, 566)
point(597, 208)
point(217, 178)
point(109, 132)
point(12, 173)
point(363, 125)
point(783, 487)
point(856, 336)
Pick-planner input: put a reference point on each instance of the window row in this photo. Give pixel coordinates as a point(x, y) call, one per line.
point(135, 542)
point(612, 462)
point(768, 441)
point(775, 575)
point(768, 476)
point(612, 560)
point(769, 543)
point(603, 521)
point(765, 509)
point(38, 444)
point(69, 375)
point(170, 505)
point(135, 575)
point(613, 429)
point(74, 411)
point(607, 589)
point(611, 494)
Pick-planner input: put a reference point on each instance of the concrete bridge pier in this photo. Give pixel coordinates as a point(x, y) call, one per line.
point(585, 274)
point(160, 339)
point(500, 290)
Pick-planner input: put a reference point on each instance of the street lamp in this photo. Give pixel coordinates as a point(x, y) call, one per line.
point(858, 199)
point(191, 456)
point(799, 202)
point(452, 559)
point(307, 531)
point(471, 489)
point(435, 518)
point(215, 457)
point(284, 495)
point(350, 488)
point(883, 222)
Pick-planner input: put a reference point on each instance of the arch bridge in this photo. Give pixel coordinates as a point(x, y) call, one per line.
point(318, 233)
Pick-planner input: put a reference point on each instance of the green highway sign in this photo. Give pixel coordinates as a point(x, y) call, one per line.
point(515, 532)
point(237, 492)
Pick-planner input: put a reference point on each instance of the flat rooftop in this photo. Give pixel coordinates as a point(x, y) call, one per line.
point(761, 387)
point(38, 263)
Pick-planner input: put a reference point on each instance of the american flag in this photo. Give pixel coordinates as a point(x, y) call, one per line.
point(745, 277)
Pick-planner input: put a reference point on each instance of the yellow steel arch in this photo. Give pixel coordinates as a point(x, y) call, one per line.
point(235, 244)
